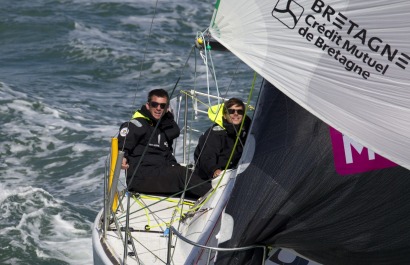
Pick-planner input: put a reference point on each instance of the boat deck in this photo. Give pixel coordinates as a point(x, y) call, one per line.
point(149, 217)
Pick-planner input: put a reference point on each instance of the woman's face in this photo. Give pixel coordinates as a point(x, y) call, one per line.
point(235, 114)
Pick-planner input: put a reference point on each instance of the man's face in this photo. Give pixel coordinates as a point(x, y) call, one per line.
point(157, 106)
point(235, 114)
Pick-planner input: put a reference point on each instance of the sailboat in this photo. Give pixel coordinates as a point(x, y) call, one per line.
point(325, 170)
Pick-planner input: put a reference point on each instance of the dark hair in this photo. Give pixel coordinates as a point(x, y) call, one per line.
point(161, 93)
point(231, 102)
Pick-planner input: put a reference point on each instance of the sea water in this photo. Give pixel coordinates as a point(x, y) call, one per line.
point(71, 71)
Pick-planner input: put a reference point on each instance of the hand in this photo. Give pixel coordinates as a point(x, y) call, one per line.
point(124, 164)
point(167, 120)
point(217, 173)
point(168, 116)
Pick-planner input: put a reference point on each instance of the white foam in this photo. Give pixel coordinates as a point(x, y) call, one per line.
point(86, 180)
point(6, 93)
point(68, 235)
point(99, 45)
point(44, 133)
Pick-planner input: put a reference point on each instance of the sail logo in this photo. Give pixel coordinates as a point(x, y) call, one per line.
point(350, 43)
point(288, 12)
point(351, 157)
point(354, 30)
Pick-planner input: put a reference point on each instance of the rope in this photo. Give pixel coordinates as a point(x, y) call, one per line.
point(146, 209)
point(204, 55)
point(144, 53)
point(142, 62)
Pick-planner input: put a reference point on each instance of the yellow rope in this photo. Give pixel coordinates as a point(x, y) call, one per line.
point(143, 208)
point(154, 198)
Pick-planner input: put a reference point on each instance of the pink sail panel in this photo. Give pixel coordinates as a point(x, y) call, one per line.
point(351, 157)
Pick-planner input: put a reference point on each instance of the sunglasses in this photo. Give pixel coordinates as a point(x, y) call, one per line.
point(239, 111)
point(156, 104)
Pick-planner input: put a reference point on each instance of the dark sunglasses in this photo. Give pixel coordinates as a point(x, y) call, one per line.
point(156, 104)
point(239, 111)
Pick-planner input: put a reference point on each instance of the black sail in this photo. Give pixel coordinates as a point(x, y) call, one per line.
point(291, 196)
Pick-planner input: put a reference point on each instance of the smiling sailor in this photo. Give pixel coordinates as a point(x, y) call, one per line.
point(158, 171)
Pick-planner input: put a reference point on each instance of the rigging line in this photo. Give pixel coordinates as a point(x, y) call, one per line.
point(196, 98)
point(187, 179)
point(190, 135)
point(148, 250)
point(214, 74)
point(205, 54)
point(205, 59)
point(186, 61)
point(226, 93)
point(142, 64)
point(145, 51)
point(189, 145)
point(172, 92)
point(154, 198)
point(147, 208)
point(147, 212)
point(161, 200)
point(152, 212)
point(158, 220)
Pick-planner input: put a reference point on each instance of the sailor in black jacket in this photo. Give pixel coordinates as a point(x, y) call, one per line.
point(148, 155)
point(216, 144)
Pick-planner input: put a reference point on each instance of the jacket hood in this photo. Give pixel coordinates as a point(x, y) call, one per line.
point(144, 113)
point(215, 114)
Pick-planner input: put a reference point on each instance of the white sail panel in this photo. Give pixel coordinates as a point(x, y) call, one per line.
point(346, 62)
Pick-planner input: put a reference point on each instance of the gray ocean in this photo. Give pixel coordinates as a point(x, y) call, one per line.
point(71, 71)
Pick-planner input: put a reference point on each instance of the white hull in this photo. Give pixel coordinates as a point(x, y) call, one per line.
point(151, 246)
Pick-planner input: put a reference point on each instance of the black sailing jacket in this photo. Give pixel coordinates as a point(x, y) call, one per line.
point(216, 145)
point(135, 134)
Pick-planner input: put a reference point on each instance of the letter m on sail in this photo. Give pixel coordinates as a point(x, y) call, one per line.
point(351, 157)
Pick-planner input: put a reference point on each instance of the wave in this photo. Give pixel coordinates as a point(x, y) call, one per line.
point(36, 228)
point(47, 144)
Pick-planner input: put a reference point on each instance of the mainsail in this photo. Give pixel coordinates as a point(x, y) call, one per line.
point(330, 138)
